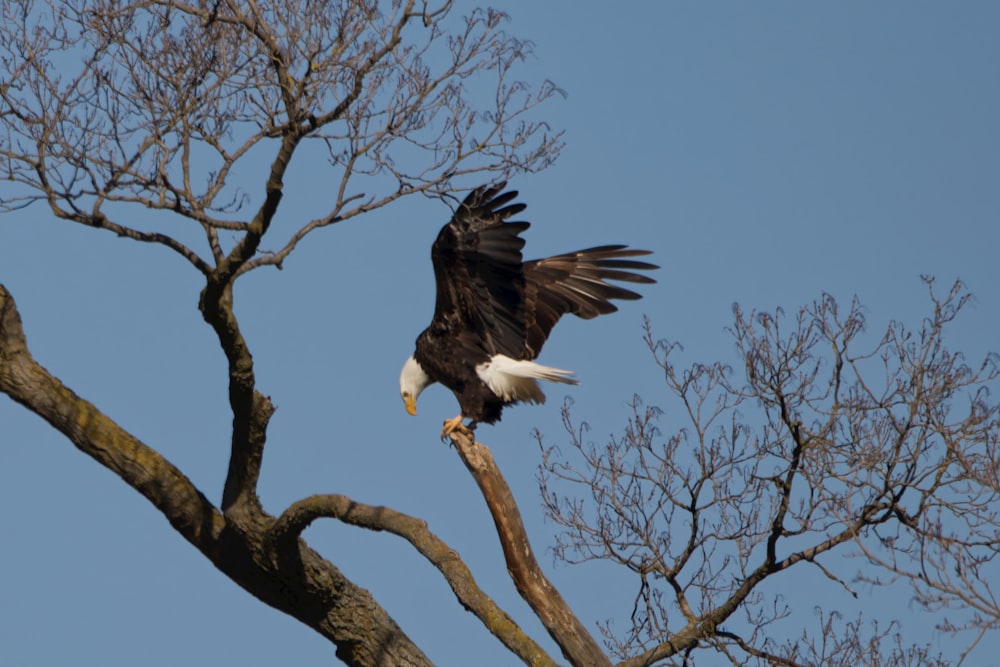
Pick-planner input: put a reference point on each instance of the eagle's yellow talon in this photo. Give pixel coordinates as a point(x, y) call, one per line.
point(455, 424)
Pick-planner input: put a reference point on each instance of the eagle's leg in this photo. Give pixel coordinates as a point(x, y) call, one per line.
point(452, 425)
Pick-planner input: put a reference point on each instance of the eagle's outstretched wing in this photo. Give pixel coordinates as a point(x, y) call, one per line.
point(577, 283)
point(503, 305)
point(479, 273)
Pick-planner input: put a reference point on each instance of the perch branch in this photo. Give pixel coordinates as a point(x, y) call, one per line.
point(577, 645)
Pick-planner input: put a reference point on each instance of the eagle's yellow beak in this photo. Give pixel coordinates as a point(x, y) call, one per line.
point(411, 404)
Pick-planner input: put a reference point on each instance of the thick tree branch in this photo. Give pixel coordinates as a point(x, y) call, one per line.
point(577, 645)
point(299, 515)
point(251, 410)
point(295, 580)
point(27, 383)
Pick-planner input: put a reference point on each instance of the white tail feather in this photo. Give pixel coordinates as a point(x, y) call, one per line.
point(514, 380)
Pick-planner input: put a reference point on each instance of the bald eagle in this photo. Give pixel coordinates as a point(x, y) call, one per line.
point(494, 311)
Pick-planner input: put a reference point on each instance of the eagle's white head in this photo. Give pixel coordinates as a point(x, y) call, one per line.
point(412, 381)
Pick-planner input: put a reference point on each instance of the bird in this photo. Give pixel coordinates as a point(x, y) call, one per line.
point(493, 311)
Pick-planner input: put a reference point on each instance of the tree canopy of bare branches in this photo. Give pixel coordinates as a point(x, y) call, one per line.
point(822, 444)
point(165, 106)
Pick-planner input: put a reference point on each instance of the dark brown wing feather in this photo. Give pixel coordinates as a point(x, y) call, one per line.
point(576, 282)
point(479, 273)
point(491, 301)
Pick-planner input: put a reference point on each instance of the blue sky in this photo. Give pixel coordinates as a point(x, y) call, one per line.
point(767, 152)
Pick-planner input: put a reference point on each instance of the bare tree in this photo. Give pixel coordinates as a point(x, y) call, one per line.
point(149, 120)
point(152, 120)
point(818, 446)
